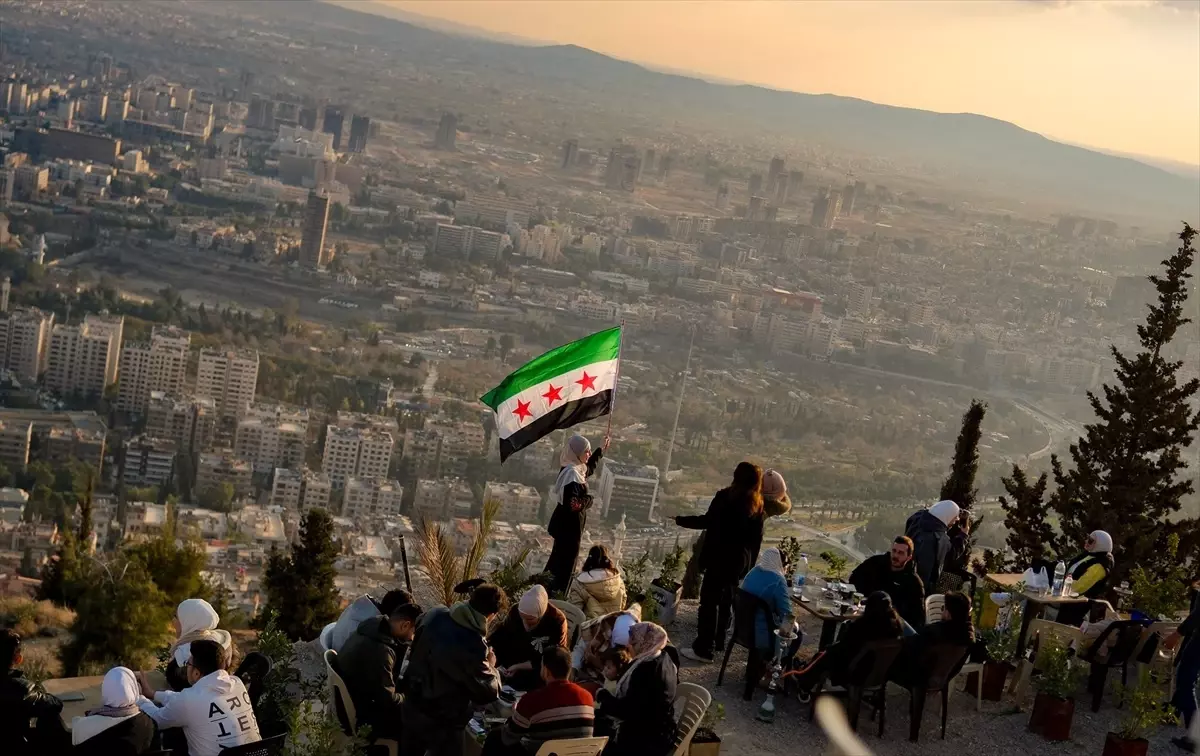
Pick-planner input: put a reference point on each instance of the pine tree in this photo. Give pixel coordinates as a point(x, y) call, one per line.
point(300, 586)
point(1030, 535)
point(1126, 476)
point(959, 486)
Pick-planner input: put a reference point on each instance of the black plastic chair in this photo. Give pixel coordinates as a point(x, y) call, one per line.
point(868, 679)
point(746, 607)
point(938, 665)
point(1129, 636)
point(271, 746)
point(253, 672)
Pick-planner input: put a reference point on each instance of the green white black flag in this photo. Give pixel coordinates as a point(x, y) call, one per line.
point(566, 386)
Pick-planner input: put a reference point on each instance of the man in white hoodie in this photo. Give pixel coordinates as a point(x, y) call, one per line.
point(215, 712)
point(931, 542)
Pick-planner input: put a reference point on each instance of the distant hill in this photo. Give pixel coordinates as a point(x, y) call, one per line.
point(972, 147)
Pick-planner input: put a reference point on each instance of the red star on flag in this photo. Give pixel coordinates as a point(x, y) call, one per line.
point(587, 382)
point(553, 395)
point(522, 411)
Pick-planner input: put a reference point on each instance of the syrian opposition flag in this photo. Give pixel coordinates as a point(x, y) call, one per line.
point(566, 386)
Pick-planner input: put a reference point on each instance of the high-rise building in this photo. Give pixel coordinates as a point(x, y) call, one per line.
point(447, 132)
point(723, 196)
point(97, 108)
point(664, 166)
point(794, 180)
point(312, 244)
point(441, 499)
point(622, 169)
point(189, 421)
point(261, 114)
point(646, 169)
point(630, 489)
point(754, 185)
point(860, 299)
point(300, 489)
point(464, 241)
point(365, 498)
point(775, 173)
point(570, 153)
point(272, 436)
point(5, 293)
point(334, 119)
point(83, 359)
point(218, 467)
point(754, 210)
point(356, 452)
point(849, 194)
point(229, 378)
point(826, 207)
point(25, 341)
point(8, 181)
point(159, 364)
point(360, 129)
point(15, 439)
point(307, 118)
point(148, 461)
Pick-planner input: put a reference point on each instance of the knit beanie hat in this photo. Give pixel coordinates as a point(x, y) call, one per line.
point(534, 601)
point(773, 485)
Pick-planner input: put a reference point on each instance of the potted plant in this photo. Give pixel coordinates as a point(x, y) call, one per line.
point(666, 588)
point(1143, 711)
point(1000, 644)
point(837, 565)
point(789, 550)
point(1160, 596)
point(1054, 704)
point(706, 741)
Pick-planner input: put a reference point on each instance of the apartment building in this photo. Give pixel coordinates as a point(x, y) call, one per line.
point(25, 341)
point(441, 500)
point(64, 444)
point(630, 489)
point(83, 359)
point(148, 461)
point(300, 489)
point(189, 421)
point(356, 452)
point(228, 377)
point(271, 436)
point(215, 468)
point(371, 497)
point(158, 365)
point(15, 437)
point(518, 503)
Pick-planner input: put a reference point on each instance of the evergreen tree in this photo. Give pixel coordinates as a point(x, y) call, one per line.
point(1126, 475)
point(300, 586)
point(121, 619)
point(959, 486)
point(1030, 535)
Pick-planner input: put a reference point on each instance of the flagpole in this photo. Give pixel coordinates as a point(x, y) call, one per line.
point(612, 402)
point(675, 427)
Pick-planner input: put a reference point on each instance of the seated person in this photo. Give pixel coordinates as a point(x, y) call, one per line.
point(531, 627)
point(118, 727)
point(956, 628)
point(195, 619)
point(598, 589)
point(369, 663)
point(879, 622)
point(766, 581)
point(559, 710)
point(895, 574)
point(214, 711)
point(362, 608)
point(596, 637)
point(644, 699)
point(30, 718)
point(614, 662)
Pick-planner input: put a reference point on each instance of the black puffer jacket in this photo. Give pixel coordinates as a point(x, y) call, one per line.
point(448, 674)
point(905, 588)
point(368, 663)
point(23, 701)
point(931, 544)
point(732, 538)
point(646, 711)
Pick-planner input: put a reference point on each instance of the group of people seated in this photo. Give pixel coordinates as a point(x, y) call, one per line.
point(203, 711)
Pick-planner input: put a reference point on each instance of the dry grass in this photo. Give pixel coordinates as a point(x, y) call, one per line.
point(29, 617)
point(40, 662)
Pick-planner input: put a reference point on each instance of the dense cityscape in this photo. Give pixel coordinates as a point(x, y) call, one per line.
point(258, 259)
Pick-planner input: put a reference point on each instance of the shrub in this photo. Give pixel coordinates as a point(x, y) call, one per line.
point(1144, 709)
point(1061, 672)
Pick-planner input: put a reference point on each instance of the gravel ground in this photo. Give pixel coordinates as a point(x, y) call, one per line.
point(998, 729)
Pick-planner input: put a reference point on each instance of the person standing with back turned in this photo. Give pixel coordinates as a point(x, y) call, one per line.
point(733, 533)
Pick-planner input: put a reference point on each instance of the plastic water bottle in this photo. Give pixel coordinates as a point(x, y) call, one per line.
point(1068, 585)
point(1060, 572)
point(800, 577)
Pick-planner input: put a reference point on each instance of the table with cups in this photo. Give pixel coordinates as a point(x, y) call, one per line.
point(833, 602)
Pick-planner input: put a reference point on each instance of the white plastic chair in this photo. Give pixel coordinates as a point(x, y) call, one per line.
point(933, 607)
point(573, 747)
point(691, 702)
point(343, 706)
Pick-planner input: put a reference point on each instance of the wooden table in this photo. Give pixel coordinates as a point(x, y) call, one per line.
point(1035, 603)
point(89, 687)
point(829, 620)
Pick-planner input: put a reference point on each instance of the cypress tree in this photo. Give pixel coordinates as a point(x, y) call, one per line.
point(959, 485)
point(1126, 467)
point(300, 585)
point(1030, 535)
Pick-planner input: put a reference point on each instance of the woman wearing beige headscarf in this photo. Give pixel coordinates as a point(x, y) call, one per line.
point(644, 701)
point(578, 462)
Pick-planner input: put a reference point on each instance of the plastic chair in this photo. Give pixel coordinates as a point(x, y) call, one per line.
point(691, 702)
point(868, 676)
point(573, 747)
point(938, 666)
point(265, 747)
point(1152, 657)
point(746, 607)
point(1066, 635)
point(575, 618)
point(1129, 636)
point(934, 604)
point(343, 705)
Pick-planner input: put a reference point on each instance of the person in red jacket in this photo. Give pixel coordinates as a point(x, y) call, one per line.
point(559, 710)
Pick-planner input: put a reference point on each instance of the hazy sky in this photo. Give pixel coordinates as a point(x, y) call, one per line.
point(1117, 74)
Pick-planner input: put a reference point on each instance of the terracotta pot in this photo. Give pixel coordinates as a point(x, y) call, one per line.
point(1052, 717)
point(709, 746)
point(994, 675)
point(1115, 745)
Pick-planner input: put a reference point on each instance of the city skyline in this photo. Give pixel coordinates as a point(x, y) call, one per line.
point(1046, 66)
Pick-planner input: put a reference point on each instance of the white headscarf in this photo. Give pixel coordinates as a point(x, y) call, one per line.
point(771, 560)
point(573, 459)
point(946, 511)
point(1101, 542)
point(197, 621)
point(119, 696)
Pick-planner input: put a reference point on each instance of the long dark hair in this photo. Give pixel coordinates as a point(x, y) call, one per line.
point(598, 559)
point(958, 606)
point(879, 618)
point(747, 486)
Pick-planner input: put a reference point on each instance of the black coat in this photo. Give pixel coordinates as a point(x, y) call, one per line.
point(905, 588)
point(368, 663)
point(732, 537)
point(513, 644)
point(132, 737)
point(448, 675)
point(931, 544)
point(646, 712)
point(22, 700)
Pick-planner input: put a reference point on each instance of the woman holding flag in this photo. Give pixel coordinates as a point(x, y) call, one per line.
point(570, 514)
